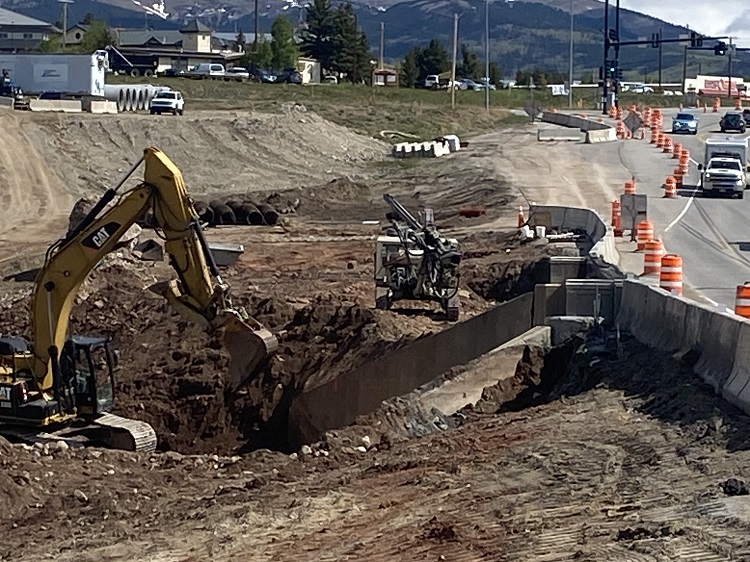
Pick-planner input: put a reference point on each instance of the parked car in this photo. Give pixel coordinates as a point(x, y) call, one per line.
point(174, 72)
point(208, 70)
point(237, 73)
point(468, 84)
point(685, 123)
point(264, 76)
point(732, 121)
point(330, 79)
point(290, 76)
point(746, 115)
point(642, 89)
point(167, 101)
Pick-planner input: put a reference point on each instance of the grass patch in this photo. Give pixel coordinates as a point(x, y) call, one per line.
point(367, 110)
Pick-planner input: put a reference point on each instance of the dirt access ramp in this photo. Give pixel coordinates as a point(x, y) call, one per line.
point(32, 198)
point(217, 152)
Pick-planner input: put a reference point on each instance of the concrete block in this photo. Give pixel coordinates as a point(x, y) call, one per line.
point(604, 135)
point(65, 106)
point(454, 143)
point(737, 388)
point(7, 103)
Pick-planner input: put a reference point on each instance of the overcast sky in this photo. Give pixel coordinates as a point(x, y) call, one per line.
point(728, 17)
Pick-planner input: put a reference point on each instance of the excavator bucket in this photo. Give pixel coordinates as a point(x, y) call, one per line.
point(248, 348)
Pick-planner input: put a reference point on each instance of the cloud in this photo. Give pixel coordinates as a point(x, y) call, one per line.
point(709, 18)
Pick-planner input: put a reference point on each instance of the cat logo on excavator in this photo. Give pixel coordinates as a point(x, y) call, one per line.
point(97, 239)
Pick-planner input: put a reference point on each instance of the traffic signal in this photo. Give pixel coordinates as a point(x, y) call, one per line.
point(655, 39)
point(720, 48)
point(601, 73)
point(614, 36)
point(693, 39)
point(619, 74)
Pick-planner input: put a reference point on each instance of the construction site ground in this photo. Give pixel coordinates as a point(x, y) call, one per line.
point(626, 466)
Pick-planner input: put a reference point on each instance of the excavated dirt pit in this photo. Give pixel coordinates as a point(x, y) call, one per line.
point(170, 372)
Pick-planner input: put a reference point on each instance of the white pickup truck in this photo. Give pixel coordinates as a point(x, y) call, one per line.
point(724, 169)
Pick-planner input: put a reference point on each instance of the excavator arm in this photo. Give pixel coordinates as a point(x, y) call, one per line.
point(198, 293)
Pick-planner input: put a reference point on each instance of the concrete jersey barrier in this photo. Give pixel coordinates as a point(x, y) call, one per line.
point(66, 106)
point(595, 131)
point(675, 324)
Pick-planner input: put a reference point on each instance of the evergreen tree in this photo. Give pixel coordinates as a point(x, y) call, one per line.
point(284, 51)
point(433, 59)
point(470, 66)
point(88, 18)
point(351, 48)
point(261, 56)
point(409, 71)
point(97, 37)
point(318, 38)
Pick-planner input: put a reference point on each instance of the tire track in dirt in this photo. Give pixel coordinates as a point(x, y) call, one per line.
point(33, 200)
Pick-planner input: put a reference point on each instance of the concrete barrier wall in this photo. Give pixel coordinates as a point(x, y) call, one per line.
point(6, 102)
point(601, 241)
point(672, 324)
point(337, 403)
point(99, 106)
point(66, 106)
point(560, 134)
point(601, 135)
point(595, 131)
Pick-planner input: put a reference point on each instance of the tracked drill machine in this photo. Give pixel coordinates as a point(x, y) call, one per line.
point(414, 262)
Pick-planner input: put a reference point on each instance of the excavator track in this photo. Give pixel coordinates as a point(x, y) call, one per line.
point(109, 430)
point(127, 434)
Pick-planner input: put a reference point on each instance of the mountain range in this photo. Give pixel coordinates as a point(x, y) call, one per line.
point(523, 34)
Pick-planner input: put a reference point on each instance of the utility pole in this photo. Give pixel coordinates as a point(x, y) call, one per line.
point(605, 91)
point(65, 20)
point(616, 80)
point(487, 55)
point(729, 71)
point(453, 66)
point(255, 39)
point(570, 56)
point(382, 43)
point(660, 53)
point(684, 68)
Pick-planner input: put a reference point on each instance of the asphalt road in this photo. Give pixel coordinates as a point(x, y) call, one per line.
point(712, 234)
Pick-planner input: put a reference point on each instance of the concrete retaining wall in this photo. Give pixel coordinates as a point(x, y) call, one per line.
point(338, 402)
point(65, 106)
point(560, 135)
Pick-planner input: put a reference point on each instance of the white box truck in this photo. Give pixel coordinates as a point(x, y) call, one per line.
point(64, 73)
point(725, 169)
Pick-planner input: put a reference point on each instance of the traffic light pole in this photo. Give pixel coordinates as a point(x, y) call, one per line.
point(729, 68)
point(616, 80)
point(605, 92)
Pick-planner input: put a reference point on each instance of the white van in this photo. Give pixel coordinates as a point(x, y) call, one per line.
point(208, 70)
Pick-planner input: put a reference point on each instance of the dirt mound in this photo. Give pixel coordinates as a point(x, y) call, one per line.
point(231, 152)
point(171, 373)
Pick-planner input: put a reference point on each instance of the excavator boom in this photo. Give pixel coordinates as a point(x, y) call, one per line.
point(198, 293)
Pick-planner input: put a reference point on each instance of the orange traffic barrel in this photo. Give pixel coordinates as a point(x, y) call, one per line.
point(616, 217)
point(644, 232)
point(630, 187)
point(679, 176)
point(670, 277)
point(742, 300)
point(521, 219)
point(676, 150)
point(652, 257)
point(667, 145)
point(654, 134)
point(670, 187)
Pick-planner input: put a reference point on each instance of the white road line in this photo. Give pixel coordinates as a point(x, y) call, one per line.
point(685, 210)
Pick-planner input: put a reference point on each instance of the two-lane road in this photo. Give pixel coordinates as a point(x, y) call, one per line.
point(712, 234)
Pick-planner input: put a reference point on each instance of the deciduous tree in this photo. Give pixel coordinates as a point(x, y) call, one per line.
point(284, 52)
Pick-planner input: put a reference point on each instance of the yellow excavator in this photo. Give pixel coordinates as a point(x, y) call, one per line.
point(58, 387)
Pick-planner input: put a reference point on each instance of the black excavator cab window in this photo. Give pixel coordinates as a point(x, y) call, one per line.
point(88, 365)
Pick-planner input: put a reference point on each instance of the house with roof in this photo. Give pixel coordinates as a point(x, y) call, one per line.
point(140, 51)
point(20, 33)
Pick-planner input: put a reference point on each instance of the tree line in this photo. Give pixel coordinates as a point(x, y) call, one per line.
point(420, 62)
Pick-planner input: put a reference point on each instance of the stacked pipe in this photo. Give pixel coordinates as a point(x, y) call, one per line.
point(236, 212)
point(131, 97)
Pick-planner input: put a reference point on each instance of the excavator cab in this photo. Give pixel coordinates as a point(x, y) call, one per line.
point(87, 366)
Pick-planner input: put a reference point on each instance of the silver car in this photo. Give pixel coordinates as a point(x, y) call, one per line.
point(685, 123)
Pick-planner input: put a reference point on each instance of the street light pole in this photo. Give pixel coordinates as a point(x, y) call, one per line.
point(487, 55)
point(605, 90)
point(570, 68)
